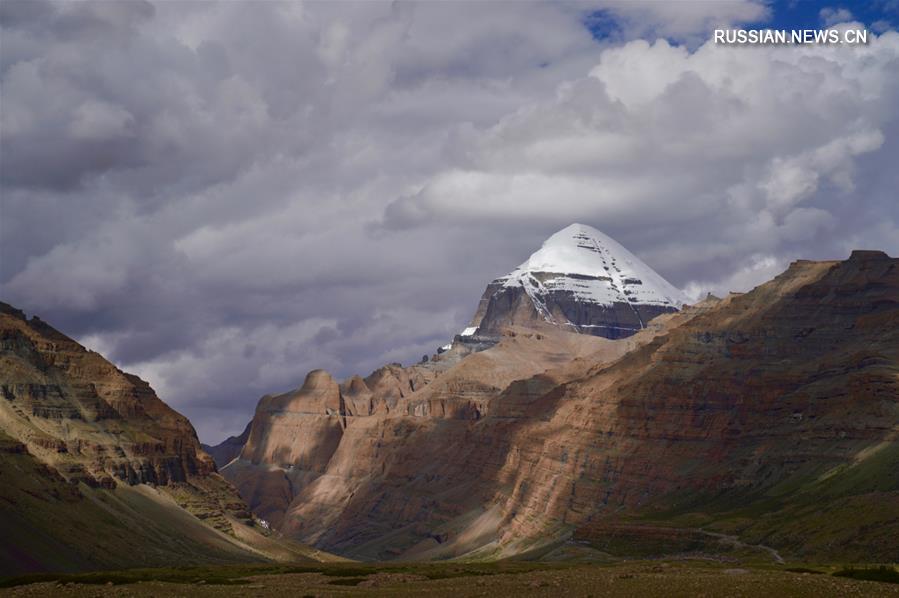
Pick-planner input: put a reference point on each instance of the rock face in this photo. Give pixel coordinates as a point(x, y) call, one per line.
point(97, 471)
point(229, 448)
point(764, 415)
point(582, 281)
point(81, 415)
point(790, 390)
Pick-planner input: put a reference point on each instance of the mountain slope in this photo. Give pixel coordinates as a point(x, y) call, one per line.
point(317, 454)
point(757, 406)
point(759, 401)
point(98, 472)
point(229, 448)
point(49, 524)
point(580, 280)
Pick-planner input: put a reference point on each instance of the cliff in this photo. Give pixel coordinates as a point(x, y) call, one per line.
point(98, 472)
point(782, 401)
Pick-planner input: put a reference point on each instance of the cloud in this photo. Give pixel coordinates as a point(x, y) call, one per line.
point(758, 269)
point(880, 26)
point(222, 196)
point(792, 180)
point(831, 16)
point(724, 152)
point(99, 121)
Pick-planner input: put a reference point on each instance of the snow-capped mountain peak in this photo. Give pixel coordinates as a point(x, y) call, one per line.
point(579, 251)
point(580, 279)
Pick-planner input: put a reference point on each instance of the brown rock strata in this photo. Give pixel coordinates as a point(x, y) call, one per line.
point(96, 471)
point(732, 400)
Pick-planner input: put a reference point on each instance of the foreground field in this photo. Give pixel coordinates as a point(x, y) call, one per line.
point(644, 578)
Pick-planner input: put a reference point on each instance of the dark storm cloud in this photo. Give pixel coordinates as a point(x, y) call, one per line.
point(221, 197)
point(99, 135)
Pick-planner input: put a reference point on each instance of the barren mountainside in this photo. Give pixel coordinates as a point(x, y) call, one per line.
point(768, 417)
point(86, 418)
point(764, 422)
point(98, 472)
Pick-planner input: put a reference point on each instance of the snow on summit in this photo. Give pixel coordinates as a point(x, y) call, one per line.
point(580, 280)
point(594, 268)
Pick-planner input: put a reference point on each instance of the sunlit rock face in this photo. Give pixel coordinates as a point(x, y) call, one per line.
point(83, 416)
point(96, 471)
point(491, 452)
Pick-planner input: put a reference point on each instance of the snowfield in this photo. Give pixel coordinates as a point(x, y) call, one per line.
point(594, 268)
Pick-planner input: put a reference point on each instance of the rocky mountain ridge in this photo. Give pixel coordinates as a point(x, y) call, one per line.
point(64, 402)
point(770, 398)
point(98, 472)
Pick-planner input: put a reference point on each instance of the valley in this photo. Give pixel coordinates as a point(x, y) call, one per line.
point(759, 429)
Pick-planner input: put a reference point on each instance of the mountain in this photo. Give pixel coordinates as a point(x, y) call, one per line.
point(229, 448)
point(763, 422)
point(98, 472)
point(580, 280)
point(310, 449)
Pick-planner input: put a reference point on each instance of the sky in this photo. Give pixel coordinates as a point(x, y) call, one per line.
point(220, 197)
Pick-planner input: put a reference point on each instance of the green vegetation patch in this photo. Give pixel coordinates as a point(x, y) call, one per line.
point(645, 541)
point(124, 577)
point(211, 574)
point(835, 513)
point(882, 573)
point(354, 573)
point(343, 571)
